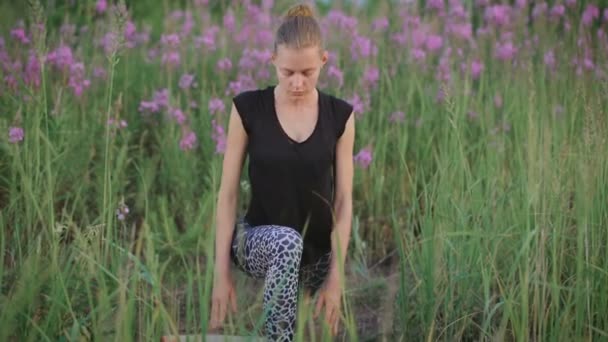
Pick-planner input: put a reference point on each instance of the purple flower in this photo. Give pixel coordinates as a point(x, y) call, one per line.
point(11, 82)
point(463, 31)
point(224, 64)
point(77, 80)
point(19, 34)
point(364, 157)
point(476, 68)
point(99, 72)
point(118, 124)
point(32, 71)
point(591, 13)
point(109, 42)
point(539, 9)
point(341, 20)
point(418, 55)
point(371, 76)
point(498, 14)
point(588, 63)
point(122, 211)
point(505, 51)
point(264, 37)
point(558, 11)
point(15, 134)
point(418, 38)
point(161, 97)
point(262, 74)
point(185, 81)
point(243, 83)
point(171, 59)
point(435, 5)
point(188, 141)
point(219, 136)
point(130, 30)
point(247, 61)
point(208, 39)
point(170, 40)
point(61, 57)
point(216, 106)
point(362, 47)
point(380, 24)
point(358, 105)
point(335, 73)
point(149, 107)
point(177, 115)
point(229, 21)
point(433, 42)
point(101, 6)
point(188, 25)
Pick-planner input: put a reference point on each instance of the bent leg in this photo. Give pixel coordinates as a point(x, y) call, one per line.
point(273, 253)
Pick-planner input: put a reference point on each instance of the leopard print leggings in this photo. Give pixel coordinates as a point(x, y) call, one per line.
point(274, 253)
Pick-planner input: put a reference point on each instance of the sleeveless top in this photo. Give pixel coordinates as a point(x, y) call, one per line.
point(292, 183)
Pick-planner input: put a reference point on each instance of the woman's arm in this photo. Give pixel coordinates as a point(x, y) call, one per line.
point(234, 155)
point(343, 206)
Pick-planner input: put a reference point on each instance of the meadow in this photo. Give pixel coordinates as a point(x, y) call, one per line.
point(481, 152)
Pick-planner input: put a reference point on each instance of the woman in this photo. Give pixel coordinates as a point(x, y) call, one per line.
point(299, 141)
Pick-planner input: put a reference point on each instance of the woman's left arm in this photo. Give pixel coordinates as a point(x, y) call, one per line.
point(343, 203)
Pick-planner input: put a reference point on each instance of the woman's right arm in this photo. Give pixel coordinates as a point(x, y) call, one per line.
point(234, 155)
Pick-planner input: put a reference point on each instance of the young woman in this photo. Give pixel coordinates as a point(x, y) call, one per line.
point(299, 141)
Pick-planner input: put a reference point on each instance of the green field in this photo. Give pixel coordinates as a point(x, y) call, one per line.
point(482, 216)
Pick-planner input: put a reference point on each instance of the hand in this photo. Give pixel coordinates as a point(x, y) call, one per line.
point(330, 295)
point(223, 293)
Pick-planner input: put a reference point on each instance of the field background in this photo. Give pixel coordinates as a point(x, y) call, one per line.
point(481, 187)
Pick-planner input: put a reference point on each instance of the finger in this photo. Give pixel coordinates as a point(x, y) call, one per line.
point(233, 301)
point(319, 306)
point(329, 308)
point(213, 314)
point(222, 312)
point(336, 323)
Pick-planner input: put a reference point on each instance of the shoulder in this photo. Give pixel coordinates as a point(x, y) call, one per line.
point(340, 111)
point(247, 96)
point(337, 104)
point(248, 103)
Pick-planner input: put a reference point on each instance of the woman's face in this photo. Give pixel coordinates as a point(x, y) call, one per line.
point(298, 69)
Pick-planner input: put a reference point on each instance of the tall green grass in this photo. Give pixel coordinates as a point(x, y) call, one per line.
point(499, 234)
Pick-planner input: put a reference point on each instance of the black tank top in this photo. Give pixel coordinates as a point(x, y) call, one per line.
point(292, 183)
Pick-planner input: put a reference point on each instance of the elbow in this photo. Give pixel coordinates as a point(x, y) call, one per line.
point(227, 197)
point(343, 206)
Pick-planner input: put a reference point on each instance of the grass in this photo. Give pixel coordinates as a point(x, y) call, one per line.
point(464, 229)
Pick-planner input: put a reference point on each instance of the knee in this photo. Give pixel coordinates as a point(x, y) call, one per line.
point(289, 243)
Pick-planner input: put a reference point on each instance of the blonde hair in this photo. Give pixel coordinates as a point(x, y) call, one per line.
point(299, 29)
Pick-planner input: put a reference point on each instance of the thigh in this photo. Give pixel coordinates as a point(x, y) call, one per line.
point(312, 275)
point(253, 248)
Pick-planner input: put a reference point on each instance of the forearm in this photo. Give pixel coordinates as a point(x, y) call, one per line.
point(225, 223)
point(340, 236)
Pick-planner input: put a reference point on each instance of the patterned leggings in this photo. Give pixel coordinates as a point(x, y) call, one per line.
point(275, 254)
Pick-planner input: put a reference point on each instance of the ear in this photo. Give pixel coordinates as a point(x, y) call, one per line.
point(324, 57)
point(273, 57)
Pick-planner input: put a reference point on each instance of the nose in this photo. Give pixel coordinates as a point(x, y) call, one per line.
point(297, 81)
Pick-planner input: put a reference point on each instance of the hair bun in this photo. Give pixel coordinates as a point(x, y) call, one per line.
point(302, 10)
